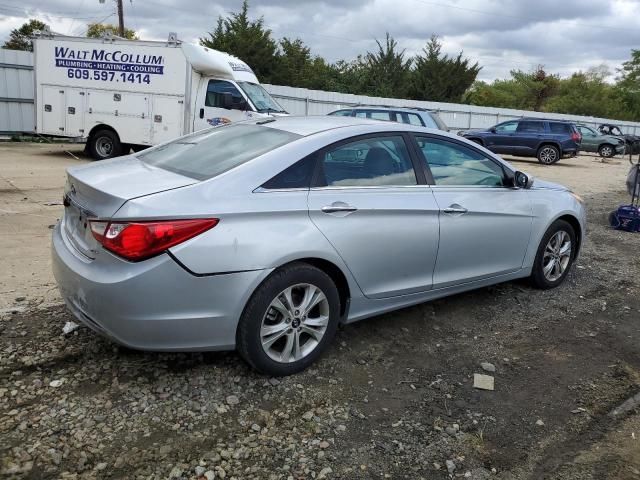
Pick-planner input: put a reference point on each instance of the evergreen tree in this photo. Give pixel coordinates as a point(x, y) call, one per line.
point(20, 38)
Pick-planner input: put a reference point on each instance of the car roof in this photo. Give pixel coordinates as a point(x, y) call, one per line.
point(553, 120)
point(363, 106)
point(309, 125)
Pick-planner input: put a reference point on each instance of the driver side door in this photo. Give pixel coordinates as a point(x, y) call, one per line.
point(485, 225)
point(211, 109)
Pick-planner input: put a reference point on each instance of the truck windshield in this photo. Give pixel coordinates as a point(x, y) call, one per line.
point(260, 97)
point(210, 152)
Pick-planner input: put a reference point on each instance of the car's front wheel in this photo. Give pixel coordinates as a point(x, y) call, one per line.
point(555, 255)
point(289, 320)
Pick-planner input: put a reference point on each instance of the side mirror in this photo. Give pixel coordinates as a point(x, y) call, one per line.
point(241, 105)
point(492, 129)
point(522, 180)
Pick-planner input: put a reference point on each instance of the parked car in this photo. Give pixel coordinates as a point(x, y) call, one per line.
point(410, 115)
point(548, 140)
point(632, 142)
point(605, 145)
point(265, 235)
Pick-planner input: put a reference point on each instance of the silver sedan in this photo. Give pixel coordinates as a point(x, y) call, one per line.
point(263, 236)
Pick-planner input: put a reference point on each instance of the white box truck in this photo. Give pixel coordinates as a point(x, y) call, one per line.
point(121, 94)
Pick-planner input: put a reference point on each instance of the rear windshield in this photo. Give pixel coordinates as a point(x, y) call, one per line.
point(210, 152)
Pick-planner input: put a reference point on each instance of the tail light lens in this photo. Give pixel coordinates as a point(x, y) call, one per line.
point(576, 137)
point(137, 241)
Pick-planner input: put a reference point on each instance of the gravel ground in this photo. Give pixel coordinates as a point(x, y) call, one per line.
point(392, 398)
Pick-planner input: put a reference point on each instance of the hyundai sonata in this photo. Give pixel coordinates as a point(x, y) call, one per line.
point(263, 236)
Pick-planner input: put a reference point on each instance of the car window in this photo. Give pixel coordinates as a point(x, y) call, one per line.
point(454, 164)
point(215, 91)
point(342, 113)
point(212, 151)
point(380, 115)
point(297, 175)
point(413, 119)
point(372, 161)
point(526, 126)
point(556, 127)
point(586, 131)
point(506, 127)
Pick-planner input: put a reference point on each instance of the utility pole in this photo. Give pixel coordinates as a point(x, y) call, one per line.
point(120, 19)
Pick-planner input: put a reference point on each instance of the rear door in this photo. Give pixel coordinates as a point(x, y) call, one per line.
point(528, 136)
point(589, 139)
point(373, 206)
point(484, 225)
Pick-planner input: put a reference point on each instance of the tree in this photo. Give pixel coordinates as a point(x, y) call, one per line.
point(587, 93)
point(538, 86)
point(628, 86)
point(297, 68)
point(20, 38)
point(440, 78)
point(99, 30)
point(248, 40)
point(524, 90)
point(386, 71)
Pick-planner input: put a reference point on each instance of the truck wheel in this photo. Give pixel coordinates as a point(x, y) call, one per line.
point(606, 151)
point(104, 144)
point(548, 154)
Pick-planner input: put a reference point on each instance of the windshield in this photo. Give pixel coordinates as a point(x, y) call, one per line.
point(260, 97)
point(210, 152)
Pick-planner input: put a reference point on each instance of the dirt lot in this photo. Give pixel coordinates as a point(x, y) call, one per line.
point(393, 397)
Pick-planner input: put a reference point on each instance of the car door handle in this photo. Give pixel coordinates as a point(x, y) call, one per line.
point(455, 209)
point(338, 207)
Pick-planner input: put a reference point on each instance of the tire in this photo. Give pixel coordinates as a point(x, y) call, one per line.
point(606, 150)
point(548, 154)
point(287, 324)
point(550, 279)
point(104, 144)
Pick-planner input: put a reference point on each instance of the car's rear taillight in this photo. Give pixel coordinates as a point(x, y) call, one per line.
point(137, 241)
point(576, 137)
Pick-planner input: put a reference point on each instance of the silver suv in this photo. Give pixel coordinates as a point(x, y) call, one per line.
point(411, 115)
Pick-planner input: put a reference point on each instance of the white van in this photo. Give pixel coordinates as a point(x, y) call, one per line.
point(120, 94)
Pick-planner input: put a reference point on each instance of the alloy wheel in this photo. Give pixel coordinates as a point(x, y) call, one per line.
point(295, 323)
point(548, 155)
point(606, 151)
point(557, 256)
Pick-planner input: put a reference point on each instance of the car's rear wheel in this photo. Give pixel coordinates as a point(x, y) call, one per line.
point(289, 320)
point(555, 255)
point(104, 144)
point(606, 151)
point(548, 154)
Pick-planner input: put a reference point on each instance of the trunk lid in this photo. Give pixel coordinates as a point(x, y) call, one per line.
point(100, 189)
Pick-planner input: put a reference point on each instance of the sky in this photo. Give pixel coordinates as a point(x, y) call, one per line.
point(563, 35)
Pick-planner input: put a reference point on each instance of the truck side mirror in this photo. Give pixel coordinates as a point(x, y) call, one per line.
point(241, 105)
